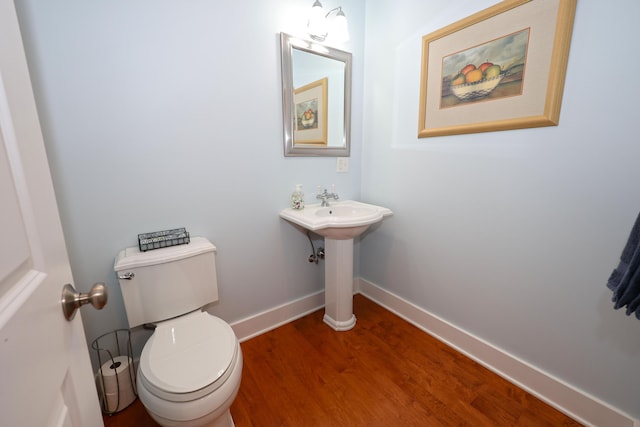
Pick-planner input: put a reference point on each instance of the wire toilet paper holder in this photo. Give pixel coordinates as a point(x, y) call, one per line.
point(110, 349)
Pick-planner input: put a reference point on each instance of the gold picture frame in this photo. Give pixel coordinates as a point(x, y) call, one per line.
point(310, 110)
point(537, 35)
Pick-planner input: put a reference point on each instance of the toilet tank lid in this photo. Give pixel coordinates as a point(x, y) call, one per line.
point(132, 257)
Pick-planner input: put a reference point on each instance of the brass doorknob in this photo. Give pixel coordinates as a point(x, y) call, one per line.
point(72, 300)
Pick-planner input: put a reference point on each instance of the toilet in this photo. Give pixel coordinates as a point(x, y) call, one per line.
point(190, 368)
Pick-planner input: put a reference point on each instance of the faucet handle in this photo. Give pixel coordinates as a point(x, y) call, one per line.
point(325, 195)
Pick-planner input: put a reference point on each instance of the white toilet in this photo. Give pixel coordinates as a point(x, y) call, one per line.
point(190, 368)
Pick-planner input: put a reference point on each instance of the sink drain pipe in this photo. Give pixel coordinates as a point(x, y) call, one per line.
point(315, 256)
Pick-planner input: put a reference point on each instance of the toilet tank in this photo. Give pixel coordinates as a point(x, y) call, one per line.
point(167, 282)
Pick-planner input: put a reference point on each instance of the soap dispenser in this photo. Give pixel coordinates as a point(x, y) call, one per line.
point(297, 198)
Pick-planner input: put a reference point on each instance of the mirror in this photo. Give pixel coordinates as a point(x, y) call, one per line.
point(316, 98)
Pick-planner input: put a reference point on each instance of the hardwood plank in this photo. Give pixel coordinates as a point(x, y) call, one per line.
point(132, 416)
point(384, 372)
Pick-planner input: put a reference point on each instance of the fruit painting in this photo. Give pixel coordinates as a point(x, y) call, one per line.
point(501, 68)
point(491, 70)
point(310, 110)
point(307, 115)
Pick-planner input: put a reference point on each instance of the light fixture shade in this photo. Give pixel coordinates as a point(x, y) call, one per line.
point(339, 27)
point(317, 25)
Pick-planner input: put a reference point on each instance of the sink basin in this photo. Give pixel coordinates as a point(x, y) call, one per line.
point(341, 220)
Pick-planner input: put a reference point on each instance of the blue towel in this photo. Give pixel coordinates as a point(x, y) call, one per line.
point(625, 279)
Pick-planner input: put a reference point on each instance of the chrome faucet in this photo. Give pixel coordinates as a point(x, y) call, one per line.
point(325, 196)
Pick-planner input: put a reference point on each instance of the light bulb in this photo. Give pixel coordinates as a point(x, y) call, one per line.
point(317, 25)
point(339, 27)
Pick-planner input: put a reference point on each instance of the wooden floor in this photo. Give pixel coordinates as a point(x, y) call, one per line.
point(384, 372)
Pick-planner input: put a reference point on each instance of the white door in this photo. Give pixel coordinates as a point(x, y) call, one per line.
point(45, 374)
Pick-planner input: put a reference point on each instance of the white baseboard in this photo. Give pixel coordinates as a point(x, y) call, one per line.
point(270, 319)
point(575, 403)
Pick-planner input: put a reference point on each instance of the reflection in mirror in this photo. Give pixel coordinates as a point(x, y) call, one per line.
point(316, 88)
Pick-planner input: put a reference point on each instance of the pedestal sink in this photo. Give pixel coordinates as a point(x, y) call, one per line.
point(338, 223)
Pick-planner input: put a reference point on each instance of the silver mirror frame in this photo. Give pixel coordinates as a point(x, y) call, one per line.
point(287, 44)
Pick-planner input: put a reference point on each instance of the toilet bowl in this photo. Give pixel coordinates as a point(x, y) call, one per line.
point(190, 368)
point(189, 372)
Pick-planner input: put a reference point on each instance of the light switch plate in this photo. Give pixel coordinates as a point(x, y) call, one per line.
point(342, 164)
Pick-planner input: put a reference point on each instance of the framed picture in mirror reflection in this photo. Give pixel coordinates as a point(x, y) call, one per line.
point(310, 108)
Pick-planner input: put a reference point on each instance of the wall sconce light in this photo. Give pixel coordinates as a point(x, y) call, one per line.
point(322, 26)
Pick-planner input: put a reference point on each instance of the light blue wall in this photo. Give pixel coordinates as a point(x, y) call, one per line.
point(159, 114)
point(511, 235)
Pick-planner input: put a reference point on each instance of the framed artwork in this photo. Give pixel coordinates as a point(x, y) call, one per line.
point(501, 68)
point(310, 108)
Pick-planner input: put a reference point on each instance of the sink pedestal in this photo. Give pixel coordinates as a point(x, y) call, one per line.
point(339, 224)
point(338, 288)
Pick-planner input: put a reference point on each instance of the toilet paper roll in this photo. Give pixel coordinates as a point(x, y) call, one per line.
point(116, 383)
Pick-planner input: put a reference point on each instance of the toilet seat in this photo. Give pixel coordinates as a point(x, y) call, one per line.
point(188, 357)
